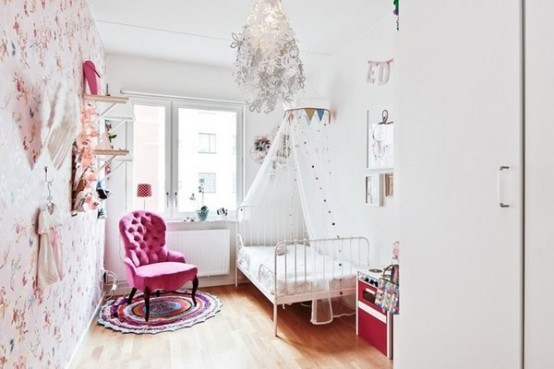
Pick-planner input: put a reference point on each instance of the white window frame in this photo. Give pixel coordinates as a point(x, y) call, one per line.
point(172, 106)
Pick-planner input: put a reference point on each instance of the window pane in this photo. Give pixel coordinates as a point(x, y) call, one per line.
point(149, 156)
point(199, 131)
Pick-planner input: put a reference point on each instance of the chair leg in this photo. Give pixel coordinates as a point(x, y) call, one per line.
point(131, 295)
point(147, 303)
point(194, 288)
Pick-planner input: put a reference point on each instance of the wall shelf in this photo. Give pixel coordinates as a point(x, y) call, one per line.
point(110, 153)
point(113, 101)
point(109, 103)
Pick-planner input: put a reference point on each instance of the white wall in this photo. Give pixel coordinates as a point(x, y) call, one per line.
point(539, 182)
point(343, 81)
point(171, 78)
point(41, 325)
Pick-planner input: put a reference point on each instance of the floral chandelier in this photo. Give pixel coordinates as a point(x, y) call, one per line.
point(268, 68)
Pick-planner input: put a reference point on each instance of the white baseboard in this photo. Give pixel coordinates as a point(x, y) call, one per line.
point(85, 332)
point(123, 287)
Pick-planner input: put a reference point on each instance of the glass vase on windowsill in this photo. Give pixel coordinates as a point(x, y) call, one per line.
point(203, 212)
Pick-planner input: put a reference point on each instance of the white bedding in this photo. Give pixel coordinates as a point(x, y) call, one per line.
point(301, 277)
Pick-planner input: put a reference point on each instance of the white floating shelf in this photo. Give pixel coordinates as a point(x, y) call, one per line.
point(110, 152)
point(107, 99)
point(113, 101)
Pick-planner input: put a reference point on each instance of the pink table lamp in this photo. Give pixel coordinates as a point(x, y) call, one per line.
point(144, 190)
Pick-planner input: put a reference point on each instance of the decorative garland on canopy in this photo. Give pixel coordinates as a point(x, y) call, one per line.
point(396, 12)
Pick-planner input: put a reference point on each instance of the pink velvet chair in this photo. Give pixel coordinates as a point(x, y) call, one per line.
point(149, 265)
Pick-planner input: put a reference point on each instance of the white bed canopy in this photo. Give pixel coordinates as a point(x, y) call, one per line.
point(293, 186)
point(295, 172)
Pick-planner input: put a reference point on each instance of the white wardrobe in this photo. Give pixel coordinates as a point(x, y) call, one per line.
point(472, 245)
point(539, 184)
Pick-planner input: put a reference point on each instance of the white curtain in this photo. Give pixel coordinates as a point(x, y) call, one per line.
point(293, 185)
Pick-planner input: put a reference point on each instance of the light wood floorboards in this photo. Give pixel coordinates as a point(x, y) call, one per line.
point(239, 336)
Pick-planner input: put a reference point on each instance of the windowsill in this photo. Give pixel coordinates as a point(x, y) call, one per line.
point(178, 225)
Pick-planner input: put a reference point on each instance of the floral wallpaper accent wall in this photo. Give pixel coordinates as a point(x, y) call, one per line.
point(42, 43)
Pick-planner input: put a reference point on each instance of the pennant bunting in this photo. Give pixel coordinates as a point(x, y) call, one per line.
point(310, 112)
point(320, 113)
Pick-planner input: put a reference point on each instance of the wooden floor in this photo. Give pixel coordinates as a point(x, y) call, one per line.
point(239, 336)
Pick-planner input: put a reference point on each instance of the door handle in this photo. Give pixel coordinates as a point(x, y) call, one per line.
point(499, 188)
point(167, 199)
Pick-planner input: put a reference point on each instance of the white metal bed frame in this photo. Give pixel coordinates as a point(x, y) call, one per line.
point(357, 249)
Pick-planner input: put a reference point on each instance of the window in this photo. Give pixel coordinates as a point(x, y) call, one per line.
point(170, 143)
point(149, 154)
point(206, 143)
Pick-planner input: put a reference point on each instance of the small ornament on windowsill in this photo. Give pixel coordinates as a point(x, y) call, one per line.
point(222, 212)
point(203, 212)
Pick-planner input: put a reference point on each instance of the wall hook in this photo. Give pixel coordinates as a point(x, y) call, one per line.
point(49, 184)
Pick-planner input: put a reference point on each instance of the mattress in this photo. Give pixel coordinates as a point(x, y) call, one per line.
point(306, 271)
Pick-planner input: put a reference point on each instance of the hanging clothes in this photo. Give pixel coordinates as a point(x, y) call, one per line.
point(50, 258)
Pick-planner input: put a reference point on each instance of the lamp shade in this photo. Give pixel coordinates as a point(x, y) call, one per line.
point(144, 190)
point(268, 66)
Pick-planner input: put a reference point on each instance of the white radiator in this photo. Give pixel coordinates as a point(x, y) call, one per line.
point(209, 250)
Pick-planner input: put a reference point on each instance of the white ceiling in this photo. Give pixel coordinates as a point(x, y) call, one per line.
point(200, 31)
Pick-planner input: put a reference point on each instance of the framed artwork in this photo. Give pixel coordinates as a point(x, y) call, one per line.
point(389, 184)
point(380, 137)
point(373, 190)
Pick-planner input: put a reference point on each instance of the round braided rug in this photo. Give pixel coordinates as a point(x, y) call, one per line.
point(169, 312)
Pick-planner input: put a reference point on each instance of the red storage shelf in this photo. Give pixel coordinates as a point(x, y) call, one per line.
point(373, 325)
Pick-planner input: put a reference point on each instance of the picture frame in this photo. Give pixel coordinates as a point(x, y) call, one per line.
point(389, 184)
point(380, 138)
point(373, 189)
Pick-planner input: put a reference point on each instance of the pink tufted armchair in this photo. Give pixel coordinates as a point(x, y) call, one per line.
point(149, 265)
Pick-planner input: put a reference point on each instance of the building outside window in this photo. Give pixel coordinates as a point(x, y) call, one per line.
point(208, 179)
point(206, 143)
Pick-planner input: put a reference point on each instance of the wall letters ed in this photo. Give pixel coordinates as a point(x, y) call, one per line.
point(378, 72)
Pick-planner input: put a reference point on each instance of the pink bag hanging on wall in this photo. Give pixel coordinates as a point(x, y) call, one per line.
point(91, 77)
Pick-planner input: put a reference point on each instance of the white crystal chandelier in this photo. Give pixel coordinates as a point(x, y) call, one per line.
point(268, 68)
